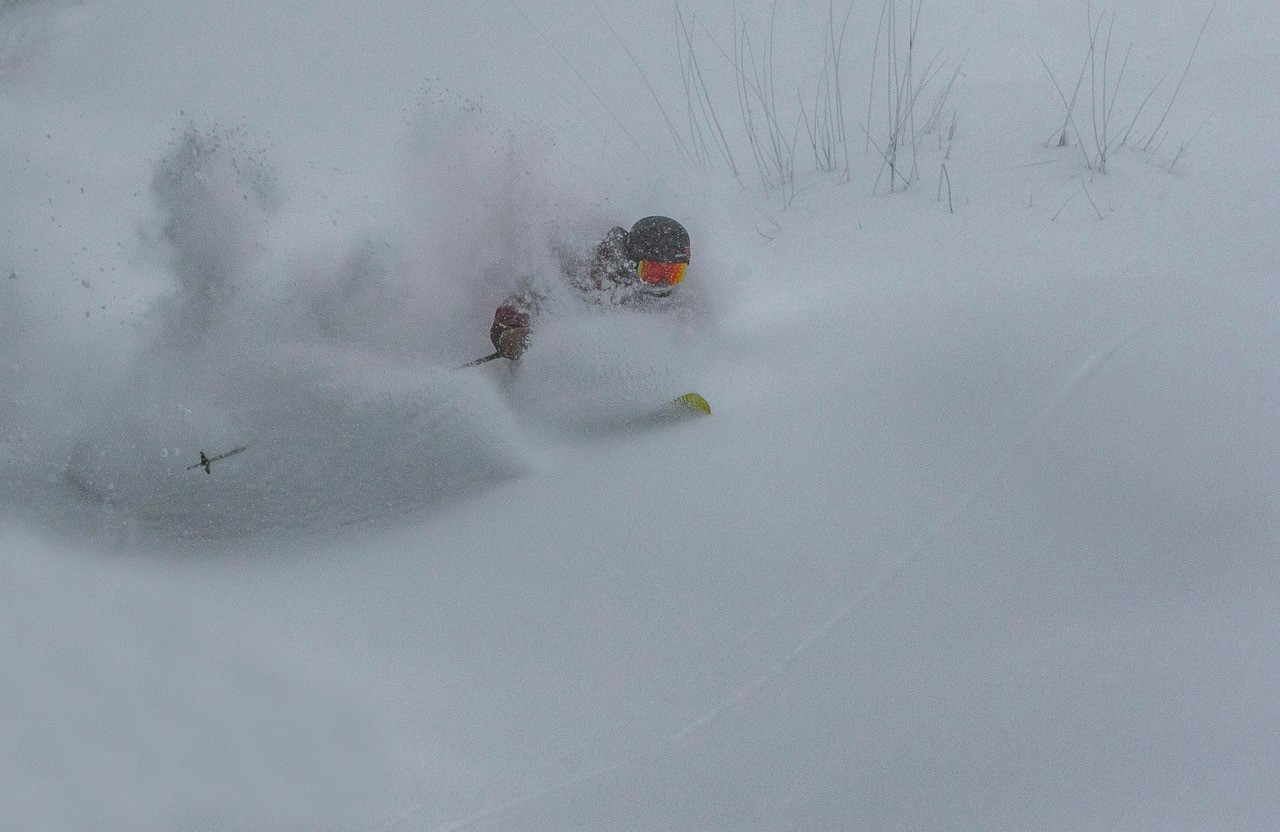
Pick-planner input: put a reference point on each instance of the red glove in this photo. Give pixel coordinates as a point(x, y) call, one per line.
point(510, 331)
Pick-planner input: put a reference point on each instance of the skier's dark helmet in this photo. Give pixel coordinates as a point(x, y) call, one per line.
point(659, 238)
point(660, 247)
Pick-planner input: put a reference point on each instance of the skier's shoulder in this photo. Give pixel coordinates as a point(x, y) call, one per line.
point(612, 249)
point(616, 236)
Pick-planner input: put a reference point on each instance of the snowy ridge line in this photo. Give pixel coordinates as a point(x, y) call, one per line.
point(522, 800)
point(790, 603)
point(1085, 373)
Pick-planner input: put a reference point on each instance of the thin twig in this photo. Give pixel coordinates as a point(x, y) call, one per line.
point(1184, 147)
point(1125, 141)
point(1071, 119)
point(1054, 218)
point(875, 61)
point(674, 133)
point(1089, 196)
point(1185, 70)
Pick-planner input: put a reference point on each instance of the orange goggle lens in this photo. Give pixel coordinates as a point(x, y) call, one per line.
point(657, 273)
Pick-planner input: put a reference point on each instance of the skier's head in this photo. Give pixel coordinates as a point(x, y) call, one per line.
point(660, 247)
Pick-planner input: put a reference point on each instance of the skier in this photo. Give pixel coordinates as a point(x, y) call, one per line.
point(639, 268)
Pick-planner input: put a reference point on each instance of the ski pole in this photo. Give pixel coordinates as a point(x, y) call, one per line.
point(206, 462)
point(480, 360)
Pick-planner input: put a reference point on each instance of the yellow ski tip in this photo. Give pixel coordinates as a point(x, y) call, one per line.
point(693, 401)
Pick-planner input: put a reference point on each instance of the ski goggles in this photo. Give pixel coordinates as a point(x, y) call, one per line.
point(657, 273)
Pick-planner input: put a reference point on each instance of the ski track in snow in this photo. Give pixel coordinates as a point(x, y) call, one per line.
point(887, 577)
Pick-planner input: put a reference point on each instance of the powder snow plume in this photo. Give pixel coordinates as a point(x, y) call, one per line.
point(328, 350)
point(328, 362)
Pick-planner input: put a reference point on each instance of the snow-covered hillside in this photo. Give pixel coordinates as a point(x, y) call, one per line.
point(982, 532)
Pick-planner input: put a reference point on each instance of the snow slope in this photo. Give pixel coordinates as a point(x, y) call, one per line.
point(981, 534)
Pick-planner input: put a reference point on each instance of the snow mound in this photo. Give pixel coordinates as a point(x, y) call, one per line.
point(339, 417)
point(326, 442)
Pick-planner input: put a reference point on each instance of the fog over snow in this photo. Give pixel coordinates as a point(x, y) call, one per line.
point(982, 532)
